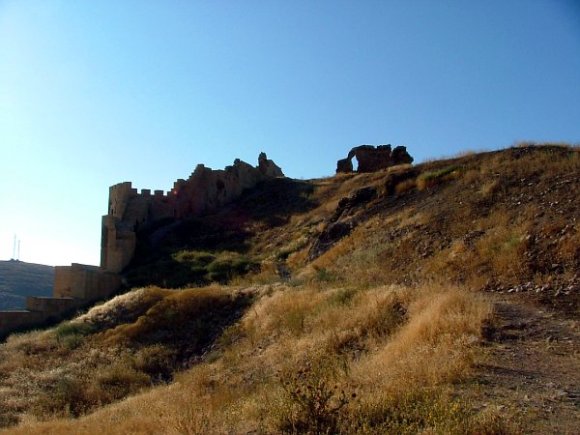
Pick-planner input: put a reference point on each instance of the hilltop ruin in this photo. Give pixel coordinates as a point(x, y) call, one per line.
point(371, 159)
point(204, 191)
point(129, 211)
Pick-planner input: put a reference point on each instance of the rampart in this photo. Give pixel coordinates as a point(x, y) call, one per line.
point(204, 191)
point(129, 211)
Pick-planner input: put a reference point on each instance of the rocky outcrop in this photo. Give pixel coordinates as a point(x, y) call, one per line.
point(344, 219)
point(268, 168)
point(372, 159)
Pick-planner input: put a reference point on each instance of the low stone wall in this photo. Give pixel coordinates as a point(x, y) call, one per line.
point(74, 286)
point(52, 307)
point(88, 283)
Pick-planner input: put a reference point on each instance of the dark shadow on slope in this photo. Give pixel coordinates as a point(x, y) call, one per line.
point(272, 202)
point(214, 247)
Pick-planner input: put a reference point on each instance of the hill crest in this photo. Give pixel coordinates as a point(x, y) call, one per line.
point(418, 291)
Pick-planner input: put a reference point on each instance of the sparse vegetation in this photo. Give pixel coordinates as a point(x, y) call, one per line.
point(382, 333)
point(433, 178)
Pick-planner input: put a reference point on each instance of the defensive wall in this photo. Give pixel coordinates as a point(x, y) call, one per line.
point(204, 191)
point(129, 211)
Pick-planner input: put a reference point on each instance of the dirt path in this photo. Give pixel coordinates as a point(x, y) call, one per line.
point(531, 366)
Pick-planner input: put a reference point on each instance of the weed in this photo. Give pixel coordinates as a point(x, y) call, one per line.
point(72, 335)
point(313, 402)
point(405, 186)
point(229, 265)
point(419, 411)
point(324, 275)
point(433, 178)
point(342, 296)
point(120, 380)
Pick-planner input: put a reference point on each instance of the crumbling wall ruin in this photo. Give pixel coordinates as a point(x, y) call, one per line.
point(204, 191)
point(128, 211)
point(371, 159)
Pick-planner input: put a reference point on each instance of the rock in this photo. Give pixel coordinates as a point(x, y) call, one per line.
point(329, 236)
point(267, 167)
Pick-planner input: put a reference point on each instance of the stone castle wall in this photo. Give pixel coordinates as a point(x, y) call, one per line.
point(80, 281)
point(204, 191)
point(128, 211)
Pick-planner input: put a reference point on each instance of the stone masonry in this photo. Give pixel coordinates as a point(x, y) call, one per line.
point(128, 211)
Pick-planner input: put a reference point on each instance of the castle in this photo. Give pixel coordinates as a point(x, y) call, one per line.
point(128, 212)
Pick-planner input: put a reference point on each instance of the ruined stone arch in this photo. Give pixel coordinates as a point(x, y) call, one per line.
point(372, 159)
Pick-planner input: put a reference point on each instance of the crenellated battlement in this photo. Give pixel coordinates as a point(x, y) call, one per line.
point(128, 211)
point(205, 190)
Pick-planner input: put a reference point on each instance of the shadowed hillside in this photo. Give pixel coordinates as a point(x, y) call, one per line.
point(19, 279)
point(436, 298)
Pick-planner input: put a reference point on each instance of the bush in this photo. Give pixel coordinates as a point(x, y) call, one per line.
point(342, 296)
point(157, 361)
point(119, 381)
point(67, 398)
point(228, 266)
point(72, 335)
point(313, 403)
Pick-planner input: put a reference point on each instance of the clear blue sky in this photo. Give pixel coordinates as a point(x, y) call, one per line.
point(97, 92)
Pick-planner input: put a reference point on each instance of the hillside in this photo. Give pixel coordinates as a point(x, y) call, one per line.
point(19, 279)
point(436, 298)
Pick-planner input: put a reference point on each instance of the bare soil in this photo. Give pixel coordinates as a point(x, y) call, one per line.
point(531, 366)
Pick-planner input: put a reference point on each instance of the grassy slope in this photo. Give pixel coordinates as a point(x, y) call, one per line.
point(391, 324)
point(19, 279)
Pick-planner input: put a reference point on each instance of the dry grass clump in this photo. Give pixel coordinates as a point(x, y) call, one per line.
point(123, 308)
point(405, 186)
point(441, 323)
point(358, 341)
point(309, 360)
point(115, 350)
point(179, 315)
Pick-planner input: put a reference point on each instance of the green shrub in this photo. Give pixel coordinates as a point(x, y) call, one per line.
point(69, 328)
point(228, 266)
point(72, 335)
point(197, 257)
point(433, 178)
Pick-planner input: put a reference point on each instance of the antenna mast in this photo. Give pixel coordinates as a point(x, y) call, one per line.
point(16, 248)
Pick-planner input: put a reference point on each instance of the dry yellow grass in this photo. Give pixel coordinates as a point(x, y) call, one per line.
point(380, 343)
point(387, 314)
